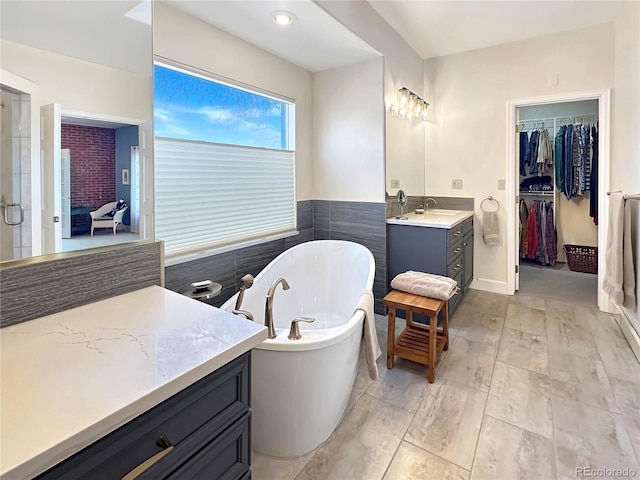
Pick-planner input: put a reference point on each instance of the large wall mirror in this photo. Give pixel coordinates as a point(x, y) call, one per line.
point(76, 124)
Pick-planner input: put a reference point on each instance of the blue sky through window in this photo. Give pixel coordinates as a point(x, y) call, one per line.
point(192, 108)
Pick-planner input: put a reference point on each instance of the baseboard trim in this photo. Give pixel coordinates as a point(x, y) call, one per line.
point(630, 334)
point(487, 285)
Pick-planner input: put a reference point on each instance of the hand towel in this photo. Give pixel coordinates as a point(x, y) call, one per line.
point(371, 345)
point(613, 276)
point(490, 228)
point(425, 285)
point(628, 270)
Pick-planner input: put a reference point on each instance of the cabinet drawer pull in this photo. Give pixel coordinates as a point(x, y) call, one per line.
point(457, 233)
point(456, 267)
point(464, 244)
point(144, 466)
point(457, 250)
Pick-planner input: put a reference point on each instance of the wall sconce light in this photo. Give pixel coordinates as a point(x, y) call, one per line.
point(410, 106)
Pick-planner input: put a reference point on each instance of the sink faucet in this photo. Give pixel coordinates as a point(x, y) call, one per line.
point(426, 203)
point(268, 308)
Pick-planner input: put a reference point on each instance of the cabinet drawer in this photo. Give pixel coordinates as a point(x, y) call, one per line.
point(455, 300)
point(454, 234)
point(467, 225)
point(208, 406)
point(227, 457)
point(456, 267)
point(454, 250)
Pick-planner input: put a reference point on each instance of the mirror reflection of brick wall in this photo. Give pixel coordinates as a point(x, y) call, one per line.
point(93, 164)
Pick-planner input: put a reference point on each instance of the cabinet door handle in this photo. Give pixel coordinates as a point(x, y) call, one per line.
point(147, 464)
point(457, 250)
point(464, 244)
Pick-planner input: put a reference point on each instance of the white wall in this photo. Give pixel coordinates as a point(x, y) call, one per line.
point(625, 150)
point(466, 136)
point(404, 149)
point(348, 120)
point(185, 39)
point(78, 85)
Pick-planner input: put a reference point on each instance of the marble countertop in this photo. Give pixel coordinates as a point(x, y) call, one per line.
point(434, 219)
point(70, 378)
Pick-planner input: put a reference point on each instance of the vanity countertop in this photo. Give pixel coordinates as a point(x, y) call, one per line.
point(70, 378)
point(435, 218)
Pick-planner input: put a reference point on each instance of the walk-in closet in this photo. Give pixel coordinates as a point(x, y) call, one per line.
point(558, 224)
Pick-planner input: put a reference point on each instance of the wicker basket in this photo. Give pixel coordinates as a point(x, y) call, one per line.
point(582, 258)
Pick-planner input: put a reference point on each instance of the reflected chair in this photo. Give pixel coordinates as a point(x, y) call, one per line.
point(104, 217)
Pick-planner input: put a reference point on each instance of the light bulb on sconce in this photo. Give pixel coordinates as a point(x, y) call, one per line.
point(410, 107)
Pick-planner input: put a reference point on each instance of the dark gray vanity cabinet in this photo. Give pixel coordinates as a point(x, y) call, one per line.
point(441, 251)
point(202, 432)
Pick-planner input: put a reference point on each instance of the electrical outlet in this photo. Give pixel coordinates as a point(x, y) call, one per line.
point(501, 184)
point(395, 183)
point(456, 183)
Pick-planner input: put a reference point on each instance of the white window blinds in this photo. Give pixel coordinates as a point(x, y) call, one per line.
point(209, 195)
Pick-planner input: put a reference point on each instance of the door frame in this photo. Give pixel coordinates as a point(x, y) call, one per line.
point(604, 170)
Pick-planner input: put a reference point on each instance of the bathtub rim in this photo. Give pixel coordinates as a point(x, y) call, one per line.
point(281, 342)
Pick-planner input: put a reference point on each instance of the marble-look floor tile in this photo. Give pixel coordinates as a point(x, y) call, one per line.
point(506, 452)
point(582, 379)
point(557, 310)
point(617, 356)
point(302, 476)
point(628, 398)
point(413, 463)
point(526, 319)
point(567, 336)
point(362, 381)
point(490, 302)
point(448, 422)
point(274, 468)
point(589, 437)
point(469, 363)
point(524, 350)
point(528, 301)
point(362, 446)
point(400, 387)
point(522, 398)
point(484, 328)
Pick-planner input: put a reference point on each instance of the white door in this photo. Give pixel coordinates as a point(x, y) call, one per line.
point(517, 219)
point(146, 189)
point(65, 192)
point(50, 140)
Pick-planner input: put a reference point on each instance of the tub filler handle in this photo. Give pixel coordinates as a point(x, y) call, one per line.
point(294, 332)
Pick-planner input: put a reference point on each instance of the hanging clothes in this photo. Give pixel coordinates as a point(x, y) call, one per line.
point(533, 151)
point(525, 154)
point(532, 232)
point(558, 154)
point(545, 152)
point(593, 200)
point(524, 217)
point(551, 235)
point(567, 163)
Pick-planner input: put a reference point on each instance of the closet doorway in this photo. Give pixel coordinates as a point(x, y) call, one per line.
point(558, 174)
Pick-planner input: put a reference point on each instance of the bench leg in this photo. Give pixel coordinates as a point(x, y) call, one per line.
point(391, 336)
point(445, 325)
point(433, 333)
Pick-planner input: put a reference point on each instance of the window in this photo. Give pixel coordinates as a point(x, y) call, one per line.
point(224, 163)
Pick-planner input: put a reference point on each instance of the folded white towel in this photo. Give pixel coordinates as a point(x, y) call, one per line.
point(491, 228)
point(371, 344)
point(613, 276)
point(425, 285)
point(628, 269)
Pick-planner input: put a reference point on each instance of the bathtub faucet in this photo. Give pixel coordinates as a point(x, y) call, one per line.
point(268, 308)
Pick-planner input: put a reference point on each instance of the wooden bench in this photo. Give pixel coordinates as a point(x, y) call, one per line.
point(417, 342)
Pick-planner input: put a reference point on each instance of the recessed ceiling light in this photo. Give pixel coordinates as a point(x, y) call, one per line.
point(283, 18)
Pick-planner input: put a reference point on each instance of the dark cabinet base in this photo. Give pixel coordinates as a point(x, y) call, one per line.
point(207, 426)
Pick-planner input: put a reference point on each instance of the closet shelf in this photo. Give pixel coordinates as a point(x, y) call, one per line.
point(526, 192)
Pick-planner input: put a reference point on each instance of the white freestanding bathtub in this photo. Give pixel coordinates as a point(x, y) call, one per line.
point(300, 388)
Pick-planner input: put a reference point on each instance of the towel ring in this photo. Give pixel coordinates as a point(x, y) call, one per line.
point(490, 199)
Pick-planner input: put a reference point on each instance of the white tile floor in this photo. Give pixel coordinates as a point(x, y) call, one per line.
point(530, 389)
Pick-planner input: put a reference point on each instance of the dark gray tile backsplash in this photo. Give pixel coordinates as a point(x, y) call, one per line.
point(50, 284)
point(444, 203)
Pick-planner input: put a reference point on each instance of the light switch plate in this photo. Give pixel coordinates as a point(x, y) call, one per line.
point(501, 184)
point(456, 183)
point(395, 183)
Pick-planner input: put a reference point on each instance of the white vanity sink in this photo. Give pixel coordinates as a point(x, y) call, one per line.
point(445, 213)
point(433, 218)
